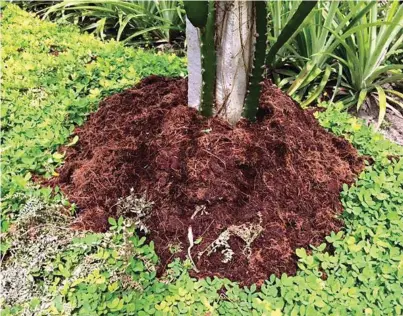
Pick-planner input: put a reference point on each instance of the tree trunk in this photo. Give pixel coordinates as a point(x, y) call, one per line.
point(234, 43)
point(194, 65)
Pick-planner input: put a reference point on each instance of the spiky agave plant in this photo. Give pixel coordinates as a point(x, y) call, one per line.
point(227, 45)
point(308, 57)
point(364, 51)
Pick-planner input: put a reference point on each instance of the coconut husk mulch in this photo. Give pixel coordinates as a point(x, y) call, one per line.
point(279, 177)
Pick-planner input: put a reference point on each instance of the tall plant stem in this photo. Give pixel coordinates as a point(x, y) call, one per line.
point(208, 62)
point(256, 75)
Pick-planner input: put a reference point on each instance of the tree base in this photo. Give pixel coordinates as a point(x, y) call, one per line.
point(278, 179)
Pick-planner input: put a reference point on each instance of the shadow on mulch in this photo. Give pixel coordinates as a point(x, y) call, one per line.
point(285, 170)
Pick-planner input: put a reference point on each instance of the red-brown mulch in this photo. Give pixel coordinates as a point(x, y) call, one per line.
point(285, 166)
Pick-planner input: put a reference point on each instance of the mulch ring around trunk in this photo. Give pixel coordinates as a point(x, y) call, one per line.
point(251, 194)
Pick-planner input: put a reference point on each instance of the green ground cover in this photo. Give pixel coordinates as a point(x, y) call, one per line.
point(52, 78)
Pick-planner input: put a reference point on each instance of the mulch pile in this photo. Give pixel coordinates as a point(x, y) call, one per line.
point(285, 171)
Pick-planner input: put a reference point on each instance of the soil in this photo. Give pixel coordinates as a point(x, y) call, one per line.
point(392, 126)
point(284, 171)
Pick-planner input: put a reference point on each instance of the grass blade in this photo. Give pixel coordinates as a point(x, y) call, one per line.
point(320, 88)
point(336, 88)
point(361, 98)
point(382, 105)
point(301, 78)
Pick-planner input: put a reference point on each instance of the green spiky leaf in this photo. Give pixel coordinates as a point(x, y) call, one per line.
point(290, 28)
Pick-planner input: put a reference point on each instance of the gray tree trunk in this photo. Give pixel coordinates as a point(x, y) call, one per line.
point(194, 65)
point(235, 38)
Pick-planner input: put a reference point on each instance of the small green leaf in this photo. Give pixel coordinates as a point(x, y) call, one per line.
point(114, 303)
point(73, 141)
point(58, 156)
point(112, 221)
point(301, 252)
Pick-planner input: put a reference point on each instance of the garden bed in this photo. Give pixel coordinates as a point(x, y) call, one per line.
point(58, 270)
point(273, 185)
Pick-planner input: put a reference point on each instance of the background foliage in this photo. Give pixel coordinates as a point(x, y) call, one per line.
point(52, 78)
point(346, 50)
point(132, 21)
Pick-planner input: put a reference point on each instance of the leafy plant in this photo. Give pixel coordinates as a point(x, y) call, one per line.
point(342, 49)
point(290, 27)
point(364, 51)
point(36, 6)
point(148, 21)
point(314, 44)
